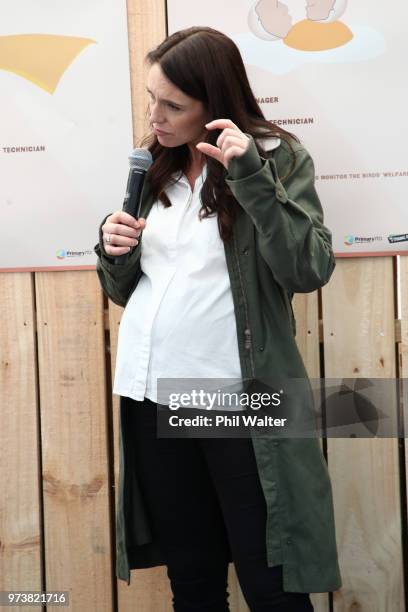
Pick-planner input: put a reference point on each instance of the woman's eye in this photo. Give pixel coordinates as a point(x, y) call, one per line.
point(174, 107)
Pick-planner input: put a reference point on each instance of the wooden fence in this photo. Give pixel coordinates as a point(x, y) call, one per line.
point(59, 423)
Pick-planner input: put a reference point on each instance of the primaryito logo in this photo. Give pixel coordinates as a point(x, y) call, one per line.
point(351, 239)
point(65, 253)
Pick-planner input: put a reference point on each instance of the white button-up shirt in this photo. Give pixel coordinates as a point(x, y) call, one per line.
point(179, 322)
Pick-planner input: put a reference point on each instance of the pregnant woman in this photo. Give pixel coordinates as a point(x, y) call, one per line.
point(230, 227)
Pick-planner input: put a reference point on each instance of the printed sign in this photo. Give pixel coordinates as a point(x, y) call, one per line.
point(333, 73)
point(66, 129)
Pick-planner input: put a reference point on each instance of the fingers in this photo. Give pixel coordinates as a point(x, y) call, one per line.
point(232, 146)
point(120, 232)
point(120, 240)
point(220, 124)
point(120, 216)
point(230, 141)
point(118, 245)
point(229, 132)
point(115, 251)
point(209, 149)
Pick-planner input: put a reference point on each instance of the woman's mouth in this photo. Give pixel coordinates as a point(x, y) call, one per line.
point(159, 132)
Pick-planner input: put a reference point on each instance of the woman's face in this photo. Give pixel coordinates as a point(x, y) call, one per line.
point(175, 118)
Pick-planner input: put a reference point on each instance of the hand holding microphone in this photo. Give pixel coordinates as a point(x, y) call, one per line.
point(120, 233)
point(122, 228)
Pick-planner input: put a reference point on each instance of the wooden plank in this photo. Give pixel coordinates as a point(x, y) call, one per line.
point(403, 355)
point(74, 438)
point(236, 599)
point(403, 265)
point(20, 513)
point(306, 311)
point(147, 28)
point(359, 341)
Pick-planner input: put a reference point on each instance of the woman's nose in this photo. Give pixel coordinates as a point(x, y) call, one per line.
point(155, 114)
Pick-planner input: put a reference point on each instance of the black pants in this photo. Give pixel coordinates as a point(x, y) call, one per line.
point(204, 498)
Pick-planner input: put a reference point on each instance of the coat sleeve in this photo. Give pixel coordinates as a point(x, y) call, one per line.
point(288, 216)
point(117, 281)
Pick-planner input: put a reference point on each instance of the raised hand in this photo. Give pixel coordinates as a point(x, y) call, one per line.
point(230, 143)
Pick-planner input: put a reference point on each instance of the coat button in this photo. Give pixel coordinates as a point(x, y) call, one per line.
point(261, 348)
point(276, 443)
point(288, 541)
point(245, 251)
point(273, 484)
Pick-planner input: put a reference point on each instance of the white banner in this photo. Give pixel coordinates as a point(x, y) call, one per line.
point(334, 73)
point(66, 128)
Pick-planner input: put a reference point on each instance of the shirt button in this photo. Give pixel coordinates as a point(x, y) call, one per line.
point(280, 193)
point(276, 443)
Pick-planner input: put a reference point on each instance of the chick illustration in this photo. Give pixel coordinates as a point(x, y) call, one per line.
point(325, 10)
point(271, 18)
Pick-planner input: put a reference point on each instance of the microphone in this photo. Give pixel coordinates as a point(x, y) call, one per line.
point(140, 161)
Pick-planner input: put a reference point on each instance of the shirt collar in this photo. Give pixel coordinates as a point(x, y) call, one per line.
point(183, 178)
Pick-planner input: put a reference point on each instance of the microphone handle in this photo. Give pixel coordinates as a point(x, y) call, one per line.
point(132, 203)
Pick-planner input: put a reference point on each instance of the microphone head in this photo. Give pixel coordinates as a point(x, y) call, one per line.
point(141, 159)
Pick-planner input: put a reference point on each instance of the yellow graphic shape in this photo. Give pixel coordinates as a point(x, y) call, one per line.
point(40, 58)
point(309, 35)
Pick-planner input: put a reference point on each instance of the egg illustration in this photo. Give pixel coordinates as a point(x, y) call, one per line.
point(320, 30)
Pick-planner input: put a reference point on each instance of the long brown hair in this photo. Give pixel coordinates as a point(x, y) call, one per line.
point(206, 65)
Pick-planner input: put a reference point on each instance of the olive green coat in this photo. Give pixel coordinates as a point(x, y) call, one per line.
point(280, 246)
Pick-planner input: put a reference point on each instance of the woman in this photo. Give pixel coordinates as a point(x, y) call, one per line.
point(211, 298)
